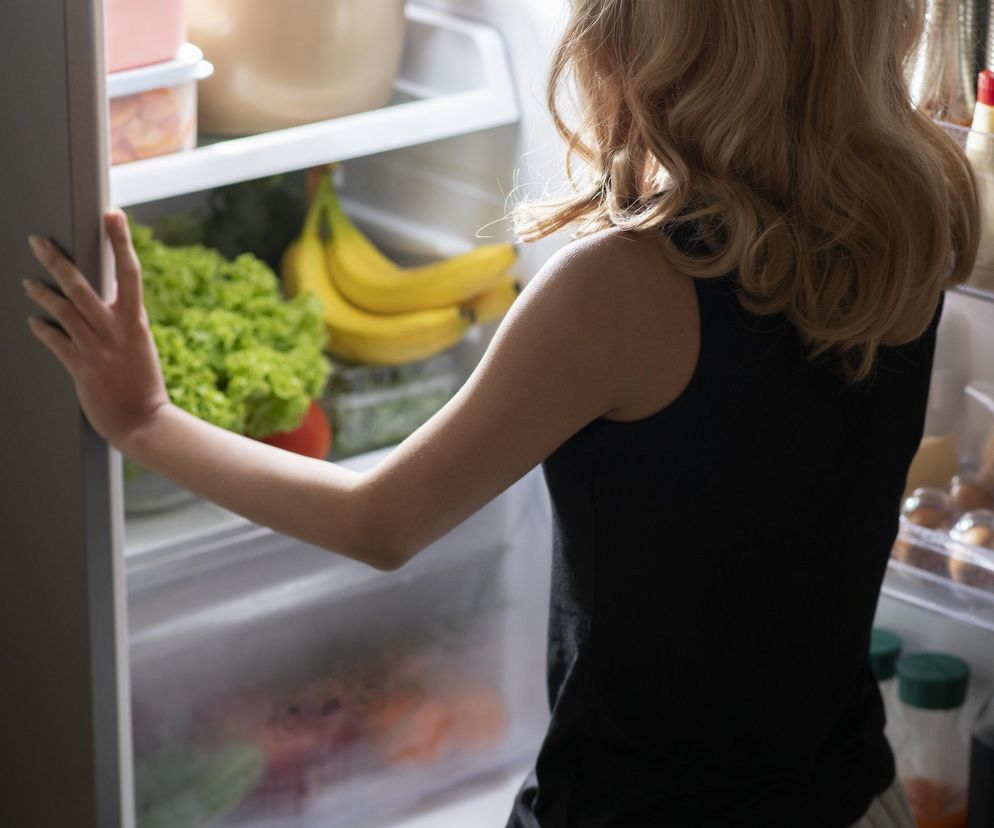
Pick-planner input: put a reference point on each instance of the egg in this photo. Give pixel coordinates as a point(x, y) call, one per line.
point(967, 572)
point(968, 495)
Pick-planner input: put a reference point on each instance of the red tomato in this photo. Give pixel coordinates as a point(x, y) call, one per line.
point(312, 438)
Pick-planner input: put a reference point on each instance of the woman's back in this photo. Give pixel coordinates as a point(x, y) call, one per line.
point(716, 570)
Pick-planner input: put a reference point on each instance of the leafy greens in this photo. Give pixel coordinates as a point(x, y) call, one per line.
point(232, 350)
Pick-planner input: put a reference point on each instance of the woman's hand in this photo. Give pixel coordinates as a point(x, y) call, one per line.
point(107, 347)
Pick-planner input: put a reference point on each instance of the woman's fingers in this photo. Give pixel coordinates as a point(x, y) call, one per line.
point(128, 269)
point(61, 311)
point(58, 343)
point(72, 283)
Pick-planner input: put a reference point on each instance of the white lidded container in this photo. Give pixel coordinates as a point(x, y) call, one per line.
point(930, 746)
point(153, 109)
point(296, 61)
point(885, 650)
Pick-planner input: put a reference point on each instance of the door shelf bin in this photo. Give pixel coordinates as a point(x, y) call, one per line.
point(922, 577)
point(275, 685)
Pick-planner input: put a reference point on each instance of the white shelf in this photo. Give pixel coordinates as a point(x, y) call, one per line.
point(470, 91)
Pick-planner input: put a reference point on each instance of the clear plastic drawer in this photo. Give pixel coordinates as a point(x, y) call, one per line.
point(277, 685)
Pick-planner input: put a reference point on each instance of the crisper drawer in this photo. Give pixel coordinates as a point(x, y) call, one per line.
point(276, 685)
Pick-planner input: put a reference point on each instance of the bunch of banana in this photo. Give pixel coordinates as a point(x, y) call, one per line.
point(359, 334)
point(355, 334)
point(371, 281)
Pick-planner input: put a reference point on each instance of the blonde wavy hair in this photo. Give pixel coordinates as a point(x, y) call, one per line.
point(783, 130)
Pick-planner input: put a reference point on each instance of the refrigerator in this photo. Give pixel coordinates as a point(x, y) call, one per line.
point(153, 656)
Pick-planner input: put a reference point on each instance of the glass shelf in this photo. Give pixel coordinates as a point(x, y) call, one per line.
point(455, 80)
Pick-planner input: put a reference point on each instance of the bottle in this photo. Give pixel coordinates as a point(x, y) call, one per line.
point(980, 151)
point(981, 796)
point(942, 84)
point(885, 649)
point(930, 749)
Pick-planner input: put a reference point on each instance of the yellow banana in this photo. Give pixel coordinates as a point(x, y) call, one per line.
point(371, 281)
point(494, 303)
point(355, 334)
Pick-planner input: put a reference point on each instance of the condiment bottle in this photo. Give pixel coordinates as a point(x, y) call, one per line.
point(980, 151)
point(943, 78)
point(930, 749)
point(885, 649)
point(981, 798)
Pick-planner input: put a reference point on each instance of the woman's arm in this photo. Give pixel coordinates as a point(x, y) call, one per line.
point(557, 362)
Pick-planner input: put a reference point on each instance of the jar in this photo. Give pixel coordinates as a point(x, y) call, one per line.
point(943, 82)
point(885, 649)
point(930, 749)
point(296, 61)
point(981, 807)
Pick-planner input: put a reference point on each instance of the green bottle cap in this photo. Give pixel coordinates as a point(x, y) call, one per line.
point(885, 649)
point(932, 681)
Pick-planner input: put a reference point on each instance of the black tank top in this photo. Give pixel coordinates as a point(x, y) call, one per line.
point(716, 567)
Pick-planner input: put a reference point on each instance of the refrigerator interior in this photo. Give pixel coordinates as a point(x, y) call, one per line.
point(308, 689)
point(231, 625)
point(932, 611)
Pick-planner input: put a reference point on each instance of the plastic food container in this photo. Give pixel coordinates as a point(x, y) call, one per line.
point(140, 32)
point(949, 532)
point(295, 61)
point(153, 110)
point(930, 747)
point(375, 406)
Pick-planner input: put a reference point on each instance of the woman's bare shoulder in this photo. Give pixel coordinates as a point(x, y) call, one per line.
point(641, 310)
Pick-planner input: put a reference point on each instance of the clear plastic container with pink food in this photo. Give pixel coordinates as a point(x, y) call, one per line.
point(141, 32)
point(153, 109)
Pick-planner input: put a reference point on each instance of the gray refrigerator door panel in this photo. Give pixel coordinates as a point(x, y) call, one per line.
point(61, 612)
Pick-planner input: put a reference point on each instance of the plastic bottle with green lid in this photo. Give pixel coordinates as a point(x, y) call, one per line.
point(885, 649)
point(929, 745)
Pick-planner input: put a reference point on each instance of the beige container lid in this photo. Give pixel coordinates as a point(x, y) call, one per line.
point(296, 61)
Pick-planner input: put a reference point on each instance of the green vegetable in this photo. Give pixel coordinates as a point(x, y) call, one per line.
point(232, 351)
point(178, 788)
point(261, 216)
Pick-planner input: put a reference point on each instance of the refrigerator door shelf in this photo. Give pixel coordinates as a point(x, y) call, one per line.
point(937, 592)
point(455, 79)
point(303, 690)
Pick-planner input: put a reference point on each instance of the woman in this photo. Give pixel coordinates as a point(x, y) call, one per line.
point(725, 378)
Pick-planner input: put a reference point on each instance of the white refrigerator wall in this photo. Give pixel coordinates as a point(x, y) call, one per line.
point(964, 354)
